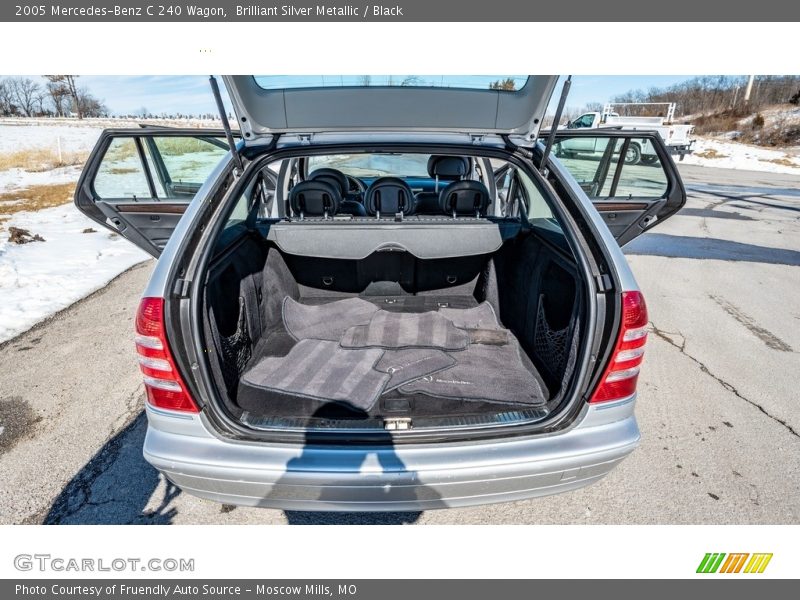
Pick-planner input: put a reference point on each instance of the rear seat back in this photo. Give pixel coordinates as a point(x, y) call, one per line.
point(338, 179)
point(465, 197)
point(332, 176)
point(389, 195)
point(441, 168)
point(314, 198)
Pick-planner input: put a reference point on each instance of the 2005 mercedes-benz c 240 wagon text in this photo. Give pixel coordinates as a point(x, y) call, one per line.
point(384, 297)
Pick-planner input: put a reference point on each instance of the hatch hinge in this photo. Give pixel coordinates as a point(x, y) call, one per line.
point(181, 288)
point(305, 138)
point(604, 283)
point(397, 424)
point(477, 138)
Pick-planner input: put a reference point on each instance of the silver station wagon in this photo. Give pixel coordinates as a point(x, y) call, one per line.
point(384, 294)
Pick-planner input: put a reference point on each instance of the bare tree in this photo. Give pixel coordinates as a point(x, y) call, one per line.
point(39, 103)
point(25, 92)
point(718, 93)
point(69, 88)
point(7, 106)
point(89, 106)
point(59, 97)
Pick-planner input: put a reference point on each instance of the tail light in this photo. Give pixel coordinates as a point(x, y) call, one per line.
point(165, 388)
point(622, 372)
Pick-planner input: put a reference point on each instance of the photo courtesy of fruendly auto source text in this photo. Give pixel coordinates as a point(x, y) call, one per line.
point(543, 294)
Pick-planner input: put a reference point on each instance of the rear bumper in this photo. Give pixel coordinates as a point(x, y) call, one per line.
point(682, 149)
point(400, 478)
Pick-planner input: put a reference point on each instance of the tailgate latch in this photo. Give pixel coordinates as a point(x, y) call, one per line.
point(181, 288)
point(397, 423)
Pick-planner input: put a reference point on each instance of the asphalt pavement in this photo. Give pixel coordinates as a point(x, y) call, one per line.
point(718, 405)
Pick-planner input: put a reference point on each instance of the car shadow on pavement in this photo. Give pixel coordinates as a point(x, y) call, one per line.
point(680, 246)
point(364, 460)
point(116, 486)
point(713, 214)
point(388, 462)
point(747, 193)
point(351, 518)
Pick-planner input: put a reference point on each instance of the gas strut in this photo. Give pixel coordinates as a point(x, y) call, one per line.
point(225, 125)
point(554, 127)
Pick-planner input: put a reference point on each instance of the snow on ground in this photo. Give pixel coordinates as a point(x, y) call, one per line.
point(40, 278)
point(14, 137)
point(733, 155)
point(17, 179)
point(72, 140)
point(74, 135)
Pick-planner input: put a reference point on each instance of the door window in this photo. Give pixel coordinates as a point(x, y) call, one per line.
point(583, 121)
point(624, 176)
point(614, 167)
point(157, 167)
point(121, 174)
point(187, 161)
point(518, 192)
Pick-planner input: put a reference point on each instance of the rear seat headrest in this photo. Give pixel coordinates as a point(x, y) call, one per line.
point(314, 198)
point(465, 197)
point(448, 167)
point(389, 195)
point(332, 176)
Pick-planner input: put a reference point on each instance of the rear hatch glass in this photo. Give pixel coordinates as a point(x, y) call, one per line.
point(491, 104)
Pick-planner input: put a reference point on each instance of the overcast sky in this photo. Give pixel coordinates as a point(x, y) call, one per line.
point(191, 94)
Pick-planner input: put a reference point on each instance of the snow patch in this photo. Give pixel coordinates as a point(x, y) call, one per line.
point(14, 179)
point(733, 155)
point(32, 135)
point(41, 278)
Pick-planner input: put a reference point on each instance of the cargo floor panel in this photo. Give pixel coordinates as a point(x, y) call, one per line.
point(404, 303)
point(388, 356)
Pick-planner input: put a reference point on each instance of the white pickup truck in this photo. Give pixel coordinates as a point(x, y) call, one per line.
point(676, 137)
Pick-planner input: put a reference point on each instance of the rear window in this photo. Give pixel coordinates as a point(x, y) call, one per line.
point(373, 165)
point(507, 83)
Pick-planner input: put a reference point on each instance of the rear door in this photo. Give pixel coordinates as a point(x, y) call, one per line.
point(628, 175)
point(138, 182)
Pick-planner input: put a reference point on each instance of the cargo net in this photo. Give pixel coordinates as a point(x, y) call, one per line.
point(236, 350)
point(551, 345)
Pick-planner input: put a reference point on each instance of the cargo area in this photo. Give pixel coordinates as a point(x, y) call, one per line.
point(300, 340)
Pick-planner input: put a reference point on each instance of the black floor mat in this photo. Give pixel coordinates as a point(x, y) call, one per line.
point(322, 370)
point(483, 372)
point(299, 379)
point(325, 321)
point(478, 317)
point(412, 363)
point(407, 330)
